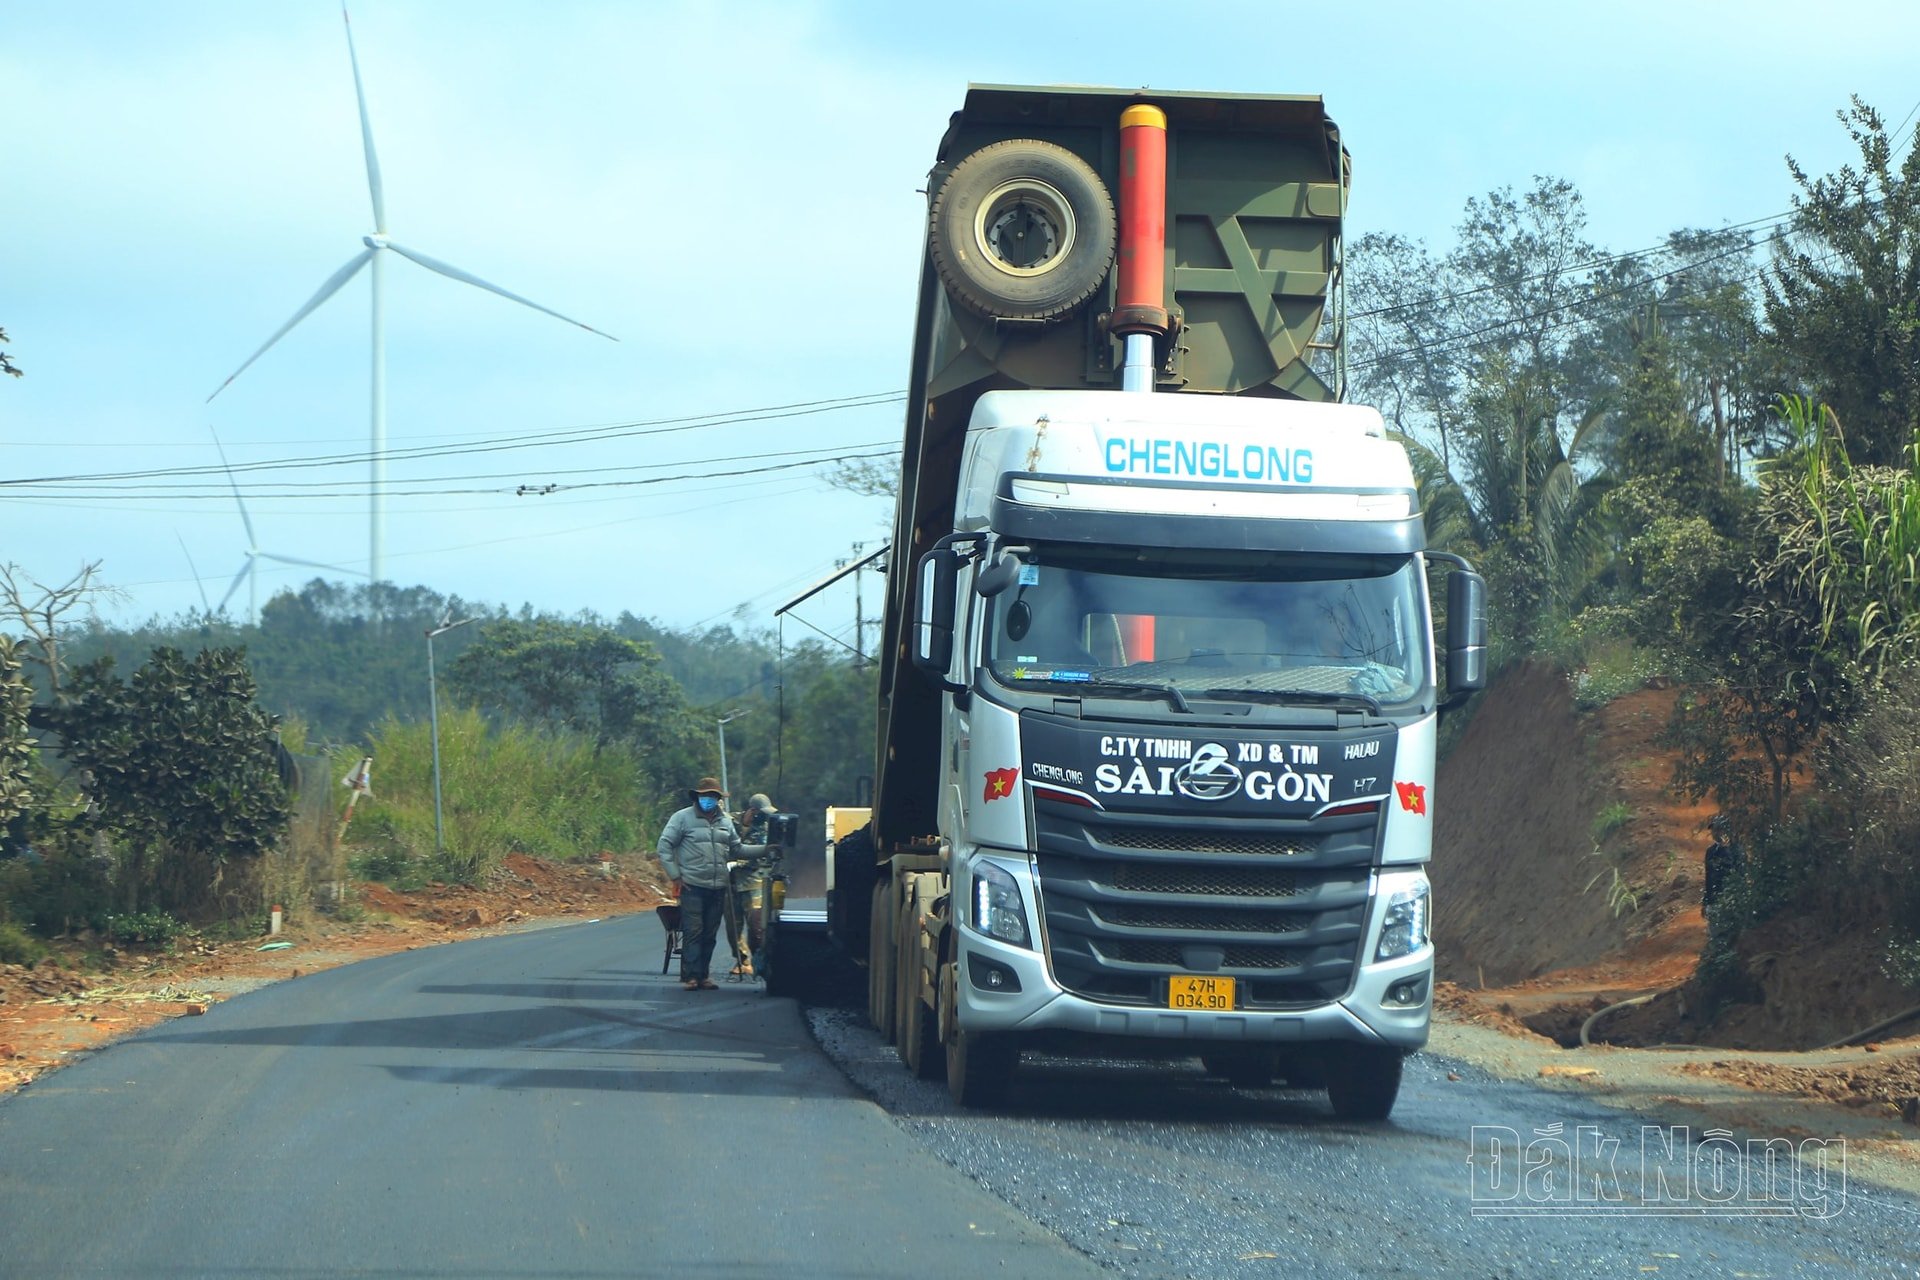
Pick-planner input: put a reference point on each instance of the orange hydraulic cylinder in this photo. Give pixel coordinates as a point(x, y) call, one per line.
point(1141, 270)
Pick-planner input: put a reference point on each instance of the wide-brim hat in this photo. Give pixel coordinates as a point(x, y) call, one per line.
point(707, 787)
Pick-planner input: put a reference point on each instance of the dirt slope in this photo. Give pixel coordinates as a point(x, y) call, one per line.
point(1519, 889)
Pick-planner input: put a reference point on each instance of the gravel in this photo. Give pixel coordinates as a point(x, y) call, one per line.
point(1155, 1169)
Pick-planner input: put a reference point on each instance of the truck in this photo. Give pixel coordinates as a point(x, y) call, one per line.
point(1158, 683)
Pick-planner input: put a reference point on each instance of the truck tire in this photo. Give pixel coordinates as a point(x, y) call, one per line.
point(880, 957)
point(1363, 1081)
point(1022, 230)
point(980, 1067)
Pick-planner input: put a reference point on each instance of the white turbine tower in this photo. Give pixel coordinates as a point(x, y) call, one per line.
point(373, 254)
point(249, 570)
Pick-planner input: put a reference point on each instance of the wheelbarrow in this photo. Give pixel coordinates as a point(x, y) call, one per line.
point(669, 913)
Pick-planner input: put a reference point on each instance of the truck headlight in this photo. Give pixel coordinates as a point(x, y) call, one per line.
point(997, 909)
point(1404, 930)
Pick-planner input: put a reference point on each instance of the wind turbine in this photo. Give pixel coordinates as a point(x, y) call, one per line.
point(251, 568)
point(377, 244)
point(206, 605)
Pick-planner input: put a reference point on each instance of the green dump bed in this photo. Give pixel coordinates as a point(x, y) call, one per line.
point(1256, 184)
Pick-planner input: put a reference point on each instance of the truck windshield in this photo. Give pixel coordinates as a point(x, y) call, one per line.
point(1261, 625)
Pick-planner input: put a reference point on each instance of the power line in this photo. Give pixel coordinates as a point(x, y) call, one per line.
point(574, 435)
point(97, 495)
point(283, 488)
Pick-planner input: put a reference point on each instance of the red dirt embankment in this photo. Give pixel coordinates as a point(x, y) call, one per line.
point(1567, 878)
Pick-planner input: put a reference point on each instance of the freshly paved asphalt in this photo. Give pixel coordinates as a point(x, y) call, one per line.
point(547, 1104)
point(540, 1104)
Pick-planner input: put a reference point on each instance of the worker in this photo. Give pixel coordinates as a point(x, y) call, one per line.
point(695, 848)
point(746, 888)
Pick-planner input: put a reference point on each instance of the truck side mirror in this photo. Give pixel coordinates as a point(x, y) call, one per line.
point(1466, 635)
point(933, 613)
point(999, 575)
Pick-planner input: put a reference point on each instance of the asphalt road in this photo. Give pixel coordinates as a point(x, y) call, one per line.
point(539, 1104)
point(547, 1104)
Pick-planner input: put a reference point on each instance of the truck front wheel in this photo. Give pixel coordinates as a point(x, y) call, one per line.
point(1363, 1081)
point(979, 1067)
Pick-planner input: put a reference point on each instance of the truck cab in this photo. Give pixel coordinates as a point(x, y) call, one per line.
point(1190, 695)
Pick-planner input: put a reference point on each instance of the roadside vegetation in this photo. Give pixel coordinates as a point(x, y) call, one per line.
point(1690, 464)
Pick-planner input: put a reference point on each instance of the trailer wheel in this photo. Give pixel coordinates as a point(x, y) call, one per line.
point(1022, 230)
point(880, 957)
point(1363, 1081)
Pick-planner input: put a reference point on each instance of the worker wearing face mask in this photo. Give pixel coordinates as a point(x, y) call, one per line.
point(695, 848)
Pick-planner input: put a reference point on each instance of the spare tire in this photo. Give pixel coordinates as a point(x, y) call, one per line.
point(1022, 230)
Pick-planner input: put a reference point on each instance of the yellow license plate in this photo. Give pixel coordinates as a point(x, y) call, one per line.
point(1199, 993)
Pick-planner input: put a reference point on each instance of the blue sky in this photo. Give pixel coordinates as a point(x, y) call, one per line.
point(730, 189)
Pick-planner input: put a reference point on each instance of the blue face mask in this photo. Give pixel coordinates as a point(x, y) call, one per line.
point(707, 803)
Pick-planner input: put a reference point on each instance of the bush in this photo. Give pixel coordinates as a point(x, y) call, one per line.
point(17, 946)
point(505, 789)
point(151, 928)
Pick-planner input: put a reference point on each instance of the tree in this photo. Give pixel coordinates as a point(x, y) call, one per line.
point(7, 365)
point(16, 744)
point(41, 610)
point(1843, 297)
point(183, 768)
point(582, 677)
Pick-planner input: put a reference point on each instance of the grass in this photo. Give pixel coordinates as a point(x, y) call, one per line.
point(1611, 819)
point(504, 789)
point(1621, 898)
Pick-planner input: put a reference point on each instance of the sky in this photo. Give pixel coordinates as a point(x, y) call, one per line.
point(731, 190)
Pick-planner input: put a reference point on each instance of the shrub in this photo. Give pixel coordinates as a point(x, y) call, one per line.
point(151, 928)
point(1611, 819)
point(17, 946)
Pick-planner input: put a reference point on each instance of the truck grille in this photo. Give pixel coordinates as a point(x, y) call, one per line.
point(1150, 916)
point(1177, 841)
point(1175, 878)
point(1128, 901)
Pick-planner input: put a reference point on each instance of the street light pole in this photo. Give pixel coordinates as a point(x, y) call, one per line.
point(731, 715)
point(433, 714)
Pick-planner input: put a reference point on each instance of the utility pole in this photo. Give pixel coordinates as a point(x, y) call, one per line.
point(859, 616)
point(433, 714)
point(731, 715)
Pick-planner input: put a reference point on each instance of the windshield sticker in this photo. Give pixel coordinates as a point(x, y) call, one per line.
point(1031, 673)
point(1413, 797)
point(1000, 783)
point(1027, 657)
point(1029, 575)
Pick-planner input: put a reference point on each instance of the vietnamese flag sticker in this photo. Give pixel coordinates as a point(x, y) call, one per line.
point(1000, 782)
point(1413, 796)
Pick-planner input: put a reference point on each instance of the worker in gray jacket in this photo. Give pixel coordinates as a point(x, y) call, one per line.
point(695, 848)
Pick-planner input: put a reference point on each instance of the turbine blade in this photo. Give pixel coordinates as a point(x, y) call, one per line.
point(374, 187)
point(238, 578)
point(195, 570)
point(312, 564)
point(327, 290)
point(245, 519)
point(455, 273)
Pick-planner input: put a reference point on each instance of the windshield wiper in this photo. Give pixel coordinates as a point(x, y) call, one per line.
point(1354, 699)
point(1174, 697)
